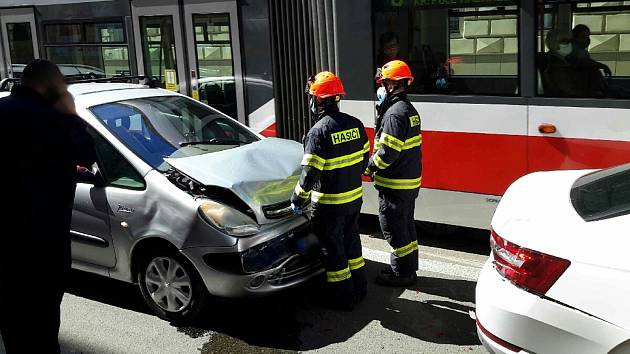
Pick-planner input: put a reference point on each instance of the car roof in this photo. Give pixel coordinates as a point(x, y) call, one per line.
point(94, 87)
point(91, 94)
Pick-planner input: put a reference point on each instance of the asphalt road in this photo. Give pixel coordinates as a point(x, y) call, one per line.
point(100, 315)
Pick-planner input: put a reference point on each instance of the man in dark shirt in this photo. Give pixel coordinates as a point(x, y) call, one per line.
point(44, 142)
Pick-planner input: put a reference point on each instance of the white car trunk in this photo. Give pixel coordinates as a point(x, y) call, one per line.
point(536, 213)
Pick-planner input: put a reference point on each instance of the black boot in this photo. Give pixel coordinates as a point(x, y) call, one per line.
point(386, 270)
point(393, 280)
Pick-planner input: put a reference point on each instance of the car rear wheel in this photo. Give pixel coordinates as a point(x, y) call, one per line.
point(171, 287)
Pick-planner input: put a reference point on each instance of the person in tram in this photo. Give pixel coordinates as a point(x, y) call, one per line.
point(581, 60)
point(389, 48)
point(559, 77)
point(580, 56)
point(336, 151)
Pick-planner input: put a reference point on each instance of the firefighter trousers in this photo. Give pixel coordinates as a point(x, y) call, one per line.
point(396, 216)
point(339, 238)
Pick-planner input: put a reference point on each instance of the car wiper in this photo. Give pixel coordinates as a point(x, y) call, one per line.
point(212, 141)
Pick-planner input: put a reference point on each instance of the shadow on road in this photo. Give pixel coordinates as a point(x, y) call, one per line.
point(296, 321)
point(454, 238)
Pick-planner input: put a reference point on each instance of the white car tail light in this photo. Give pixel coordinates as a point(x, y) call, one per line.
point(534, 271)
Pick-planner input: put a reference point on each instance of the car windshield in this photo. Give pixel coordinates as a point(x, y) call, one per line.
point(162, 127)
point(603, 194)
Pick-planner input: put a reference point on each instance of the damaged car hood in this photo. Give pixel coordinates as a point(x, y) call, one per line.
point(261, 173)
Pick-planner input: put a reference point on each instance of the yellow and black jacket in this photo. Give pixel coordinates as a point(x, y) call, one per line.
point(336, 152)
point(397, 159)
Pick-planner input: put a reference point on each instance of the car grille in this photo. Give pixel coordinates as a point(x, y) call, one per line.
point(278, 210)
point(298, 267)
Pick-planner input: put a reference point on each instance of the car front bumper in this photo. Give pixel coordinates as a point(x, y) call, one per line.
point(535, 323)
point(292, 269)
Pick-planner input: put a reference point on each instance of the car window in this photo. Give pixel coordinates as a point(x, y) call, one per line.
point(156, 128)
point(603, 194)
point(114, 167)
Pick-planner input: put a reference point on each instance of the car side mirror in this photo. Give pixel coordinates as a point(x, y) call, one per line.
point(89, 176)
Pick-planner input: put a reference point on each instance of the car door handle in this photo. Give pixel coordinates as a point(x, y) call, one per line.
point(547, 128)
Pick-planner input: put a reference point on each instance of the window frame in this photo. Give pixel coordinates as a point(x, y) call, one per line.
point(101, 170)
point(83, 23)
point(45, 44)
point(254, 135)
point(195, 43)
point(145, 43)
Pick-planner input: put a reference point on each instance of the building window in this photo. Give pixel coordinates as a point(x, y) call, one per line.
point(584, 49)
point(451, 49)
point(88, 48)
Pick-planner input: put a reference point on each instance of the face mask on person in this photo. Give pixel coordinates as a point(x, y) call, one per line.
point(312, 105)
point(565, 49)
point(381, 94)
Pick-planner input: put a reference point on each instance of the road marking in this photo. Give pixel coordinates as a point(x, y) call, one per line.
point(429, 265)
point(474, 264)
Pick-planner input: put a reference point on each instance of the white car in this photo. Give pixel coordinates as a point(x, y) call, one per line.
point(558, 278)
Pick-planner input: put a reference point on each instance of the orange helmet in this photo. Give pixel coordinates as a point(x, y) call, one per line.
point(394, 70)
point(325, 84)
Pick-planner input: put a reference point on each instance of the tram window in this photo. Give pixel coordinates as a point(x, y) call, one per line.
point(87, 48)
point(20, 43)
point(63, 33)
point(452, 49)
point(158, 46)
point(214, 62)
point(584, 49)
point(213, 44)
point(105, 32)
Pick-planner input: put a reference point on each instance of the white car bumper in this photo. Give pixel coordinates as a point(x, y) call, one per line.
point(509, 315)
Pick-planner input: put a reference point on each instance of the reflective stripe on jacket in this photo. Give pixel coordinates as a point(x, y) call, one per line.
point(397, 160)
point(336, 152)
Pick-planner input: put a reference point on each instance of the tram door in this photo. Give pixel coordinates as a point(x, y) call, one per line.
point(160, 49)
point(19, 41)
point(192, 48)
point(214, 55)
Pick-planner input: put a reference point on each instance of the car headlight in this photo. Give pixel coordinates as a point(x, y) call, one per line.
point(228, 219)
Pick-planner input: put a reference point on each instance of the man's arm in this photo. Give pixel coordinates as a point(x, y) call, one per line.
point(391, 143)
point(312, 165)
point(83, 144)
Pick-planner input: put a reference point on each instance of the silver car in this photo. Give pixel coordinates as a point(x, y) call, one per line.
point(186, 202)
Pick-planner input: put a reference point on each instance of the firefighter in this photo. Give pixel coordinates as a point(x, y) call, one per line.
point(396, 167)
point(336, 152)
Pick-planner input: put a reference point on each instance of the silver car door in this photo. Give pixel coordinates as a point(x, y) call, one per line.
point(90, 232)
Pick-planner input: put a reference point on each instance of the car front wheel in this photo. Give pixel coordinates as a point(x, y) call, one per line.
point(172, 288)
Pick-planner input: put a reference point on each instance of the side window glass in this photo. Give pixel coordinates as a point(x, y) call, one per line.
point(116, 170)
point(452, 47)
point(604, 197)
point(584, 49)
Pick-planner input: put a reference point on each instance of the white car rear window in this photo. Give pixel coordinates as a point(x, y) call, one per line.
point(603, 194)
